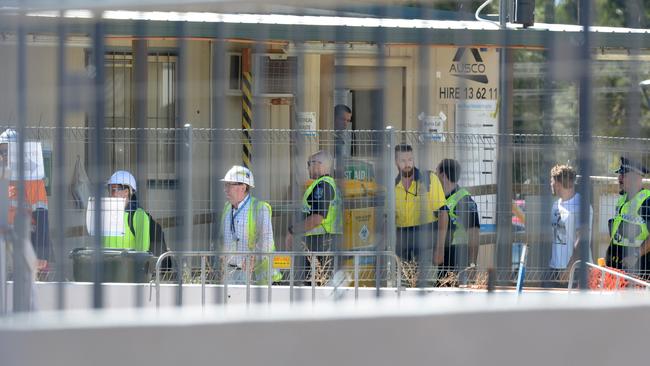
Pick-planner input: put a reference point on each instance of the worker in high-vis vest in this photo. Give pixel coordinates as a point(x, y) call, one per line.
point(462, 241)
point(321, 226)
point(136, 236)
point(246, 227)
point(35, 202)
point(418, 216)
point(629, 238)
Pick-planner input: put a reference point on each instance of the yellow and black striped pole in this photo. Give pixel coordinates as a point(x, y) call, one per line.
point(247, 107)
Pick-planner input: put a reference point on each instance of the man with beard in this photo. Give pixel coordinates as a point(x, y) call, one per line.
point(629, 242)
point(419, 198)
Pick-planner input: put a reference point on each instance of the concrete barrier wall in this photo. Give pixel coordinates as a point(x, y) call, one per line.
point(534, 329)
point(78, 295)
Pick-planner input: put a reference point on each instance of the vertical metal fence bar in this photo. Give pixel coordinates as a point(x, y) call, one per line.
point(426, 241)
point(504, 164)
point(22, 276)
point(183, 227)
point(298, 158)
point(59, 166)
point(98, 163)
point(247, 269)
point(312, 264)
point(3, 273)
point(380, 109)
point(218, 149)
point(260, 121)
point(389, 202)
point(203, 260)
point(356, 278)
point(140, 106)
point(633, 10)
point(585, 136)
point(269, 278)
point(548, 156)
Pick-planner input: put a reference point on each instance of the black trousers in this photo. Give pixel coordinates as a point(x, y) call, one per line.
point(614, 258)
point(413, 242)
point(322, 264)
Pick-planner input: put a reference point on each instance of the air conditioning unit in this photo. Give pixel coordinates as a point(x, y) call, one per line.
point(274, 75)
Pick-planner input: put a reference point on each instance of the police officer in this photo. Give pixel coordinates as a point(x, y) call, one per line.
point(462, 241)
point(629, 244)
point(322, 225)
point(246, 227)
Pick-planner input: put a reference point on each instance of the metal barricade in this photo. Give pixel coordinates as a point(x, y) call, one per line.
point(619, 276)
point(204, 255)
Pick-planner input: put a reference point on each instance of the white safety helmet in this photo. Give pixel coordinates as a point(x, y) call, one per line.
point(239, 174)
point(9, 135)
point(122, 177)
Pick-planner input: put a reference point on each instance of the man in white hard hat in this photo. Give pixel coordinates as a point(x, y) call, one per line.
point(246, 227)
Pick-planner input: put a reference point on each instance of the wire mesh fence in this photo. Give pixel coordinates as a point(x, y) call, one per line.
point(363, 133)
point(365, 200)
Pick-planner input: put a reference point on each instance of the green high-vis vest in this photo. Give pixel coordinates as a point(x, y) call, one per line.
point(460, 231)
point(629, 229)
point(332, 223)
point(138, 241)
point(261, 266)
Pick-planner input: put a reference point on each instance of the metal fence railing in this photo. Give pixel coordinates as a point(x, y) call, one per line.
point(332, 269)
point(366, 198)
point(177, 97)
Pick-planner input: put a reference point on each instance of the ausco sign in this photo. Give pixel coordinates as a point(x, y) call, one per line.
point(469, 66)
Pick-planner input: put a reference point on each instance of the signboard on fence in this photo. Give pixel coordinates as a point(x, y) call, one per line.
point(476, 149)
point(307, 123)
point(434, 126)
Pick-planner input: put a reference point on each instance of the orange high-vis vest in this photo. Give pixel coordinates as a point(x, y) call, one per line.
point(35, 196)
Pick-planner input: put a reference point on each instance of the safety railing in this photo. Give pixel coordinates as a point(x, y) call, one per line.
point(336, 281)
point(619, 276)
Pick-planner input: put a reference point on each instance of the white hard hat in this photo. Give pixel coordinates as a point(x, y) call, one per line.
point(239, 174)
point(123, 177)
point(9, 135)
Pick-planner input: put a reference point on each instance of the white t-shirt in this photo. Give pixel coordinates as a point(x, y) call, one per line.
point(565, 223)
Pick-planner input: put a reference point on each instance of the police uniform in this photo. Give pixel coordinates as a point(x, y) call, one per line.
point(463, 215)
point(322, 198)
point(415, 216)
point(630, 228)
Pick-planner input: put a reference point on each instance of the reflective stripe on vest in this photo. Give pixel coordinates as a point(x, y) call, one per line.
point(460, 233)
point(262, 265)
point(629, 229)
point(331, 224)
